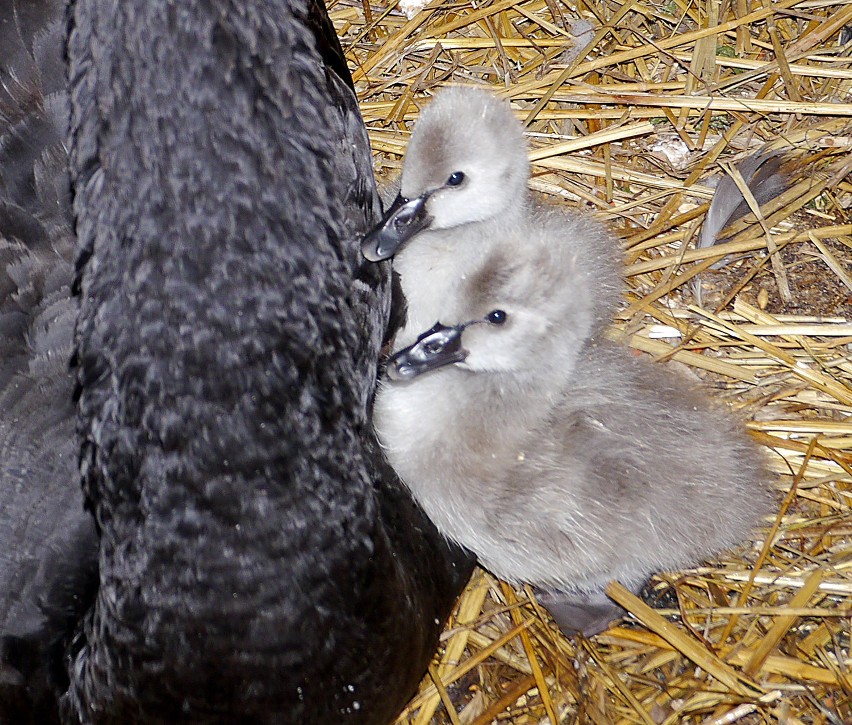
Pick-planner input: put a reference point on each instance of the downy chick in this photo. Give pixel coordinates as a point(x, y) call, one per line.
point(560, 461)
point(464, 189)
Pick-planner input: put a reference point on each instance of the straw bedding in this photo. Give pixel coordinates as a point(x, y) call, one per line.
point(633, 109)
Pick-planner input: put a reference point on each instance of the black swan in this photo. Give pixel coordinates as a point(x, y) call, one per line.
point(255, 559)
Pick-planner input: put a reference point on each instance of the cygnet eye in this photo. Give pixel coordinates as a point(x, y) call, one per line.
point(456, 178)
point(496, 317)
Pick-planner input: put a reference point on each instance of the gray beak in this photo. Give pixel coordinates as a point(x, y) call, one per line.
point(402, 221)
point(434, 348)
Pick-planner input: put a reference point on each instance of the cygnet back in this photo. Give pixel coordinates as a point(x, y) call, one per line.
point(633, 471)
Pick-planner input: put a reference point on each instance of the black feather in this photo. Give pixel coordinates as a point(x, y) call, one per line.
point(259, 562)
point(48, 545)
point(765, 179)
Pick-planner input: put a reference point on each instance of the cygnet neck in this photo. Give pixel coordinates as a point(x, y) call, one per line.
point(432, 265)
point(470, 426)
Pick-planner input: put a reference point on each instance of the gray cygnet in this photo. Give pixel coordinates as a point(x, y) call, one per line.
point(561, 461)
point(463, 189)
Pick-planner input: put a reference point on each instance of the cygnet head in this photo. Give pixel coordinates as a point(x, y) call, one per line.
point(524, 318)
point(466, 163)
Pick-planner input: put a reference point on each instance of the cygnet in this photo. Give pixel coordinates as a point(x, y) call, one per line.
point(463, 189)
point(560, 461)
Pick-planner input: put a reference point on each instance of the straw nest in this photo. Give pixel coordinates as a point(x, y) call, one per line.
point(632, 110)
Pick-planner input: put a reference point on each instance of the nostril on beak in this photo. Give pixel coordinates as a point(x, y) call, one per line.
point(403, 217)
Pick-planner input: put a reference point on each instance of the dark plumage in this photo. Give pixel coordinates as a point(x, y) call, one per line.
point(258, 562)
point(48, 545)
point(763, 174)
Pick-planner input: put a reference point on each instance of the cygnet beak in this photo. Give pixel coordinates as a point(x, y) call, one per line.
point(402, 221)
point(434, 348)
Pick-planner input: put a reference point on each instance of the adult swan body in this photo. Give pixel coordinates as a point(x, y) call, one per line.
point(257, 560)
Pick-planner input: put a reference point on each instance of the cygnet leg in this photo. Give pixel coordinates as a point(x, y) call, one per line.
point(586, 613)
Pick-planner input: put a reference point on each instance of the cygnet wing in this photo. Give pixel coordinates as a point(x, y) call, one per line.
point(639, 472)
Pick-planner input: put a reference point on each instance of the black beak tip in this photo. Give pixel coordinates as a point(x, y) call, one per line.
point(373, 250)
point(400, 373)
point(404, 219)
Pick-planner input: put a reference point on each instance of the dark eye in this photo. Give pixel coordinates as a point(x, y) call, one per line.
point(496, 317)
point(456, 178)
